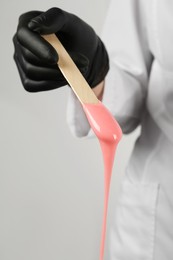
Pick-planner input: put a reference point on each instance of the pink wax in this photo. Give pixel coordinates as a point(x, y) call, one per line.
point(109, 134)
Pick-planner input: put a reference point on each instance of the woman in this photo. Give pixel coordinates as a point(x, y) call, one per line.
point(138, 90)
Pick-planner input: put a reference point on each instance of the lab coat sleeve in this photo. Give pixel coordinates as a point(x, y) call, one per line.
point(125, 37)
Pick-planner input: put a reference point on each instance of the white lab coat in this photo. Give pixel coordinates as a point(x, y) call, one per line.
point(138, 35)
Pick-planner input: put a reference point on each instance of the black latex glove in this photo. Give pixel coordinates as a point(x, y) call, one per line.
point(36, 59)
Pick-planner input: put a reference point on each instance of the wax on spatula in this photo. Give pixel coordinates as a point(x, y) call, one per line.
point(100, 119)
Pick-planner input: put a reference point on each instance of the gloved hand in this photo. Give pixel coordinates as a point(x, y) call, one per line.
point(36, 59)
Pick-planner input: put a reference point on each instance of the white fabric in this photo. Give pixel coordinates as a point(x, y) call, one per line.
point(138, 35)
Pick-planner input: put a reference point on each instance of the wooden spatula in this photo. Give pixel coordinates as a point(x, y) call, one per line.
point(71, 72)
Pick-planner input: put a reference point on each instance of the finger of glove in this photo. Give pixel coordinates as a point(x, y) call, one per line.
point(39, 73)
point(25, 18)
point(51, 21)
point(37, 45)
point(36, 72)
point(37, 86)
point(29, 56)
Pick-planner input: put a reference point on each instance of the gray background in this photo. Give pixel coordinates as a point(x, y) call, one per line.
point(51, 184)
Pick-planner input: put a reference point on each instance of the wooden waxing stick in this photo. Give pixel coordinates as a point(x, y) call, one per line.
point(70, 71)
